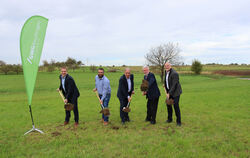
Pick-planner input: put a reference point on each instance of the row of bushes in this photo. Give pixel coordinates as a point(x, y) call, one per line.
point(17, 69)
point(6, 68)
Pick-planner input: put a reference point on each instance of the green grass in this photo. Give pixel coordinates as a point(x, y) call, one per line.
point(215, 115)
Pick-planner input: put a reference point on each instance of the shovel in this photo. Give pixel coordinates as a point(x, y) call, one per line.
point(104, 110)
point(168, 101)
point(67, 106)
point(127, 109)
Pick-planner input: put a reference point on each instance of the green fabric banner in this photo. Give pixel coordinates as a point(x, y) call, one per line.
point(31, 45)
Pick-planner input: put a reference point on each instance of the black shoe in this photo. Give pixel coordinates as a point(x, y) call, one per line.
point(178, 124)
point(147, 120)
point(128, 120)
point(153, 122)
point(168, 121)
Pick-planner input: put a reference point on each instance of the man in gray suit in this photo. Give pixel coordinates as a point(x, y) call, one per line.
point(173, 88)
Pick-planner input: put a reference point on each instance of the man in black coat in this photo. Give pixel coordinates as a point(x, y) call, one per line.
point(173, 88)
point(152, 95)
point(125, 90)
point(71, 94)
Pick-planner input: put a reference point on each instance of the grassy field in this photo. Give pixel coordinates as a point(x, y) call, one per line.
point(215, 114)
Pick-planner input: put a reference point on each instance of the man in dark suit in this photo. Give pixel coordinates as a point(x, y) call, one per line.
point(173, 88)
point(152, 95)
point(125, 90)
point(71, 94)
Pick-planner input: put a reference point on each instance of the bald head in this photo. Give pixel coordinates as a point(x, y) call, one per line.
point(127, 69)
point(167, 66)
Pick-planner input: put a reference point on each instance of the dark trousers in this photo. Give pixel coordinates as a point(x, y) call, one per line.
point(76, 114)
point(176, 109)
point(123, 115)
point(152, 106)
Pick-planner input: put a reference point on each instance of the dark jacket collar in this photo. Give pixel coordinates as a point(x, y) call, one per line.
point(65, 76)
point(125, 78)
point(169, 71)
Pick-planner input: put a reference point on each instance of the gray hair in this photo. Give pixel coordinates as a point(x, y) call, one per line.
point(145, 67)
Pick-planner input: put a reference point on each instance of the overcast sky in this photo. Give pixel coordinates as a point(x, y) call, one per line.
point(107, 32)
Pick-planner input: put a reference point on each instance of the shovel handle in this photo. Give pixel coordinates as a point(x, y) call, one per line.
point(97, 95)
point(130, 97)
point(60, 92)
point(165, 90)
point(130, 101)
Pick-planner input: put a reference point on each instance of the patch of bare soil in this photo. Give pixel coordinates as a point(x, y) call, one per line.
point(233, 72)
point(115, 127)
point(56, 133)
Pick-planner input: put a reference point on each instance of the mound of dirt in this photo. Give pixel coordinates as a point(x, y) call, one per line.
point(126, 109)
point(105, 111)
point(233, 72)
point(169, 101)
point(54, 134)
point(144, 86)
point(115, 127)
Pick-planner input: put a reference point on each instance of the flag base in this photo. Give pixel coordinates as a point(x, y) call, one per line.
point(33, 130)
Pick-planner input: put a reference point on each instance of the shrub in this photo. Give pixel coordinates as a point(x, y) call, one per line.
point(196, 67)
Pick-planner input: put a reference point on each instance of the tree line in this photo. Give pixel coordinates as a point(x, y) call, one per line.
point(70, 63)
point(51, 66)
point(155, 58)
point(6, 68)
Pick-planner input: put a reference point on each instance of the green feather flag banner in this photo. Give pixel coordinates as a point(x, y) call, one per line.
point(31, 45)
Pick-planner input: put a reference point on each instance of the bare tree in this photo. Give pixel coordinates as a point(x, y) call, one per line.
point(2, 63)
point(161, 54)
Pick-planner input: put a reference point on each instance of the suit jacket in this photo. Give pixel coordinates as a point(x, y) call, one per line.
point(153, 90)
point(122, 92)
point(173, 82)
point(71, 91)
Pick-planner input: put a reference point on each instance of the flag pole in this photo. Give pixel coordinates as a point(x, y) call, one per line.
point(33, 125)
point(31, 44)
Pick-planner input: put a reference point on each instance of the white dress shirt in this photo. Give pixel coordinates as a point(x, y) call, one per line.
point(129, 85)
point(167, 80)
